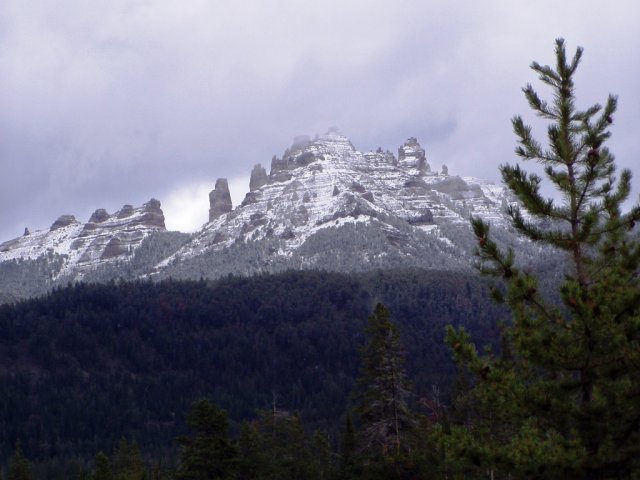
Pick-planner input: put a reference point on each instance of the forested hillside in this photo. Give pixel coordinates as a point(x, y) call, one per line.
point(90, 364)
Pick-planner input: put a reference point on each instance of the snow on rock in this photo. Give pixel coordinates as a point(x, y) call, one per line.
point(323, 204)
point(219, 199)
point(103, 238)
point(326, 183)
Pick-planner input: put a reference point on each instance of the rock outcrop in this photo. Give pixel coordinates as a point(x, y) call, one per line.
point(113, 248)
point(99, 216)
point(412, 155)
point(125, 211)
point(63, 221)
point(152, 215)
point(327, 205)
point(219, 199)
point(259, 178)
point(324, 204)
point(103, 238)
point(458, 189)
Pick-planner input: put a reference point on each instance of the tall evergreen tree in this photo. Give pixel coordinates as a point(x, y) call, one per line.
point(348, 464)
point(208, 453)
point(19, 467)
point(563, 399)
point(103, 468)
point(386, 421)
point(274, 446)
point(128, 463)
point(322, 465)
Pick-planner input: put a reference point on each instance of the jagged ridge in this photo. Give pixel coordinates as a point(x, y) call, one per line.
point(103, 239)
point(321, 186)
point(323, 204)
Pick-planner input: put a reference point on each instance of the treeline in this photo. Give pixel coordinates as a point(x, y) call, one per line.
point(87, 365)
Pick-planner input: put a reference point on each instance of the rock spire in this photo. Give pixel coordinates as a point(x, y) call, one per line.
point(219, 199)
point(258, 178)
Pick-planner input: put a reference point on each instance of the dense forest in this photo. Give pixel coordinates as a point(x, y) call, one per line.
point(88, 365)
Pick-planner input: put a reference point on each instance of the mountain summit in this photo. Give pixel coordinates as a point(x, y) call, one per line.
point(326, 205)
point(103, 238)
point(322, 205)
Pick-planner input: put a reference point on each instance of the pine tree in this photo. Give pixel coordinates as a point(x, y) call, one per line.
point(103, 468)
point(322, 467)
point(348, 464)
point(565, 394)
point(274, 446)
point(208, 453)
point(19, 467)
point(386, 421)
point(127, 462)
point(252, 457)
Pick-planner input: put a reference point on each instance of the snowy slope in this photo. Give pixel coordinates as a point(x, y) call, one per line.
point(103, 239)
point(323, 204)
point(326, 184)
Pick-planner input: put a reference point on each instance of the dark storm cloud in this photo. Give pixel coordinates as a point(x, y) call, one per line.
point(133, 99)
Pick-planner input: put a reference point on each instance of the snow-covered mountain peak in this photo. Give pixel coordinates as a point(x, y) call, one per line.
point(324, 186)
point(322, 204)
point(104, 238)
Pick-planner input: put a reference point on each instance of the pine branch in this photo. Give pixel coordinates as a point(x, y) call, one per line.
point(527, 188)
point(546, 74)
point(540, 106)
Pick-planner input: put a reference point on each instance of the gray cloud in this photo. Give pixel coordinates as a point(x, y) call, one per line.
point(127, 100)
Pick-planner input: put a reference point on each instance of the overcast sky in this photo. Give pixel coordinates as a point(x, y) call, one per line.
point(109, 102)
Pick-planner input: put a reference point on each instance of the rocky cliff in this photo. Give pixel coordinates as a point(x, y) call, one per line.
point(102, 239)
point(323, 205)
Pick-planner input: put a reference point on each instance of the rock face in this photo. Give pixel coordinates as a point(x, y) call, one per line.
point(412, 155)
point(219, 199)
point(103, 238)
point(99, 216)
point(323, 204)
point(152, 215)
point(259, 178)
point(327, 205)
point(125, 211)
point(63, 221)
point(114, 248)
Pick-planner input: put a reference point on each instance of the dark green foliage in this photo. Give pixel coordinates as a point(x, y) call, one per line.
point(19, 467)
point(393, 441)
point(102, 468)
point(208, 452)
point(127, 462)
point(383, 404)
point(272, 446)
point(349, 467)
point(126, 360)
point(563, 398)
point(275, 446)
point(322, 464)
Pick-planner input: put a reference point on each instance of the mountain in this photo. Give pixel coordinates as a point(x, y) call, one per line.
point(323, 205)
point(70, 250)
point(102, 239)
point(326, 205)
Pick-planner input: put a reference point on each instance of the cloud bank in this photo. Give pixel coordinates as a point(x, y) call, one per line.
point(129, 100)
